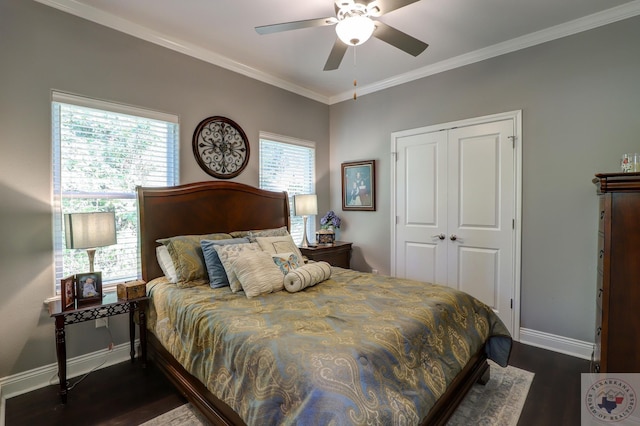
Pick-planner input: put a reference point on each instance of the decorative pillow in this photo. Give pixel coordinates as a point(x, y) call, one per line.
point(252, 235)
point(217, 274)
point(257, 273)
point(166, 264)
point(239, 234)
point(283, 244)
point(187, 257)
point(306, 276)
point(228, 254)
point(286, 261)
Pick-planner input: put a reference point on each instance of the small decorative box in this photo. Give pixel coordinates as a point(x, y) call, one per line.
point(325, 237)
point(132, 290)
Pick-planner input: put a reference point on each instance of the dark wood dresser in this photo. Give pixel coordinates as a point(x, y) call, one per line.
point(618, 296)
point(337, 254)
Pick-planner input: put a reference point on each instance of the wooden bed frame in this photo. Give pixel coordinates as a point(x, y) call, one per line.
point(221, 206)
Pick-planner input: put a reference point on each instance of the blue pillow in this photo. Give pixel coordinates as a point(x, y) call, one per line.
point(217, 275)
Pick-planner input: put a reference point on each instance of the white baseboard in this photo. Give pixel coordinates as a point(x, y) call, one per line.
point(40, 377)
point(552, 342)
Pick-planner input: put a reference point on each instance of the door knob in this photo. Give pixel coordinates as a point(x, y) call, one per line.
point(440, 236)
point(453, 237)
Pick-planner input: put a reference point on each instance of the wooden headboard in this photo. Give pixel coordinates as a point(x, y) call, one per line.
point(203, 208)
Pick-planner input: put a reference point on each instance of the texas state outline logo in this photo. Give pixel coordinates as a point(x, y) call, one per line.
point(610, 400)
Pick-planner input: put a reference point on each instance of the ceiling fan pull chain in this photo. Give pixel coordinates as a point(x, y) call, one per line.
point(355, 81)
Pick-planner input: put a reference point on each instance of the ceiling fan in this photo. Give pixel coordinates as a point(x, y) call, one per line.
point(354, 26)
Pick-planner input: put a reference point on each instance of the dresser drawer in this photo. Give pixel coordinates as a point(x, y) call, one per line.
point(599, 304)
point(595, 358)
point(602, 213)
point(601, 252)
point(337, 254)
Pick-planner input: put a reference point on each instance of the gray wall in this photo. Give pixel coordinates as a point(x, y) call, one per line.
point(580, 98)
point(44, 49)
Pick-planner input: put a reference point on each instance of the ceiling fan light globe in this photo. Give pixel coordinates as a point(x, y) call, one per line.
point(355, 30)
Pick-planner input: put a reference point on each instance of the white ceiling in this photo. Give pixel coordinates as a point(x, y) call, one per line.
point(458, 32)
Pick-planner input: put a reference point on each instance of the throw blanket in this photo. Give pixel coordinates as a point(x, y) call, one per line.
point(306, 276)
point(357, 349)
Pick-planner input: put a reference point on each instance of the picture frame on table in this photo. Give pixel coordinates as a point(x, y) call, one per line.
point(359, 185)
point(68, 293)
point(89, 288)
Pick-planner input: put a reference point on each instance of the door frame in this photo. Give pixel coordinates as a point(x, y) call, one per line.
point(516, 116)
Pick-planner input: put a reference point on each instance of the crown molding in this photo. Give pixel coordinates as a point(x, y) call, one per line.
point(595, 20)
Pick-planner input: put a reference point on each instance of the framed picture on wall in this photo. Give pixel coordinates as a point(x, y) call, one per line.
point(89, 288)
point(359, 185)
point(68, 293)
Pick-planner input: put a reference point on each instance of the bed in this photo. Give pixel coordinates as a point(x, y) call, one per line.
point(296, 358)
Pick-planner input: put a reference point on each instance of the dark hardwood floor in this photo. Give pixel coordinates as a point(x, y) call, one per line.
point(554, 397)
point(125, 394)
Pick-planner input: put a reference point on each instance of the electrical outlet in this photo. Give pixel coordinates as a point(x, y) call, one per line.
point(374, 271)
point(102, 322)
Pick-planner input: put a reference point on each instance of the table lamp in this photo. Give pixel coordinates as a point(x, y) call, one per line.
point(89, 231)
point(304, 206)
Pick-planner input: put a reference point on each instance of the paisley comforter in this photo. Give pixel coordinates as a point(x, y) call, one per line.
point(355, 349)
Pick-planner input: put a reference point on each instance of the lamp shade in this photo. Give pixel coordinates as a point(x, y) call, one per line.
point(305, 205)
point(89, 230)
point(355, 30)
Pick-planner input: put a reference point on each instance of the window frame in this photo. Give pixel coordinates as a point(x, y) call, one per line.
point(287, 140)
point(171, 177)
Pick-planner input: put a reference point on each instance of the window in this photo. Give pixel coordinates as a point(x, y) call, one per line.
point(288, 164)
point(101, 152)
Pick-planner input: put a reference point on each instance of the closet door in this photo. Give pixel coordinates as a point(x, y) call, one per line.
point(455, 207)
point(422, 205)
point(481, 208)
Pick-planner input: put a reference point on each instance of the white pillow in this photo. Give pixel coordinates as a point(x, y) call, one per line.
point(275, 245)
point(257, 273)
point(166, 263)
point(229, 253)
point(307, 276)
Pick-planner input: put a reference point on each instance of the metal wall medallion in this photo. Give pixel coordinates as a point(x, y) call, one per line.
point(221, 147)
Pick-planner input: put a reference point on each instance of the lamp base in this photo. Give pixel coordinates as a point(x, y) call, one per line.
point(91, 252)
point(305, 242)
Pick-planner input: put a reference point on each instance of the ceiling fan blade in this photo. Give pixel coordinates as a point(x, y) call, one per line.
point(386, 6)
point(336, 55)
point(397, 38)
point(296, 25)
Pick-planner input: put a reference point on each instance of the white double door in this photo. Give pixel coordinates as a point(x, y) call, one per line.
point(455, 206)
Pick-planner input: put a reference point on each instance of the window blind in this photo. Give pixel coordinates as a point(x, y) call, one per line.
point(288, 164)
point(101, 152)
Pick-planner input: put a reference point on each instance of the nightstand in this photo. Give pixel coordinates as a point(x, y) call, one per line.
point(337, 254)
point(110, 306)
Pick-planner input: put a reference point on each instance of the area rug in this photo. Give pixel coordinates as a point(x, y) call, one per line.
point(498, 403)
